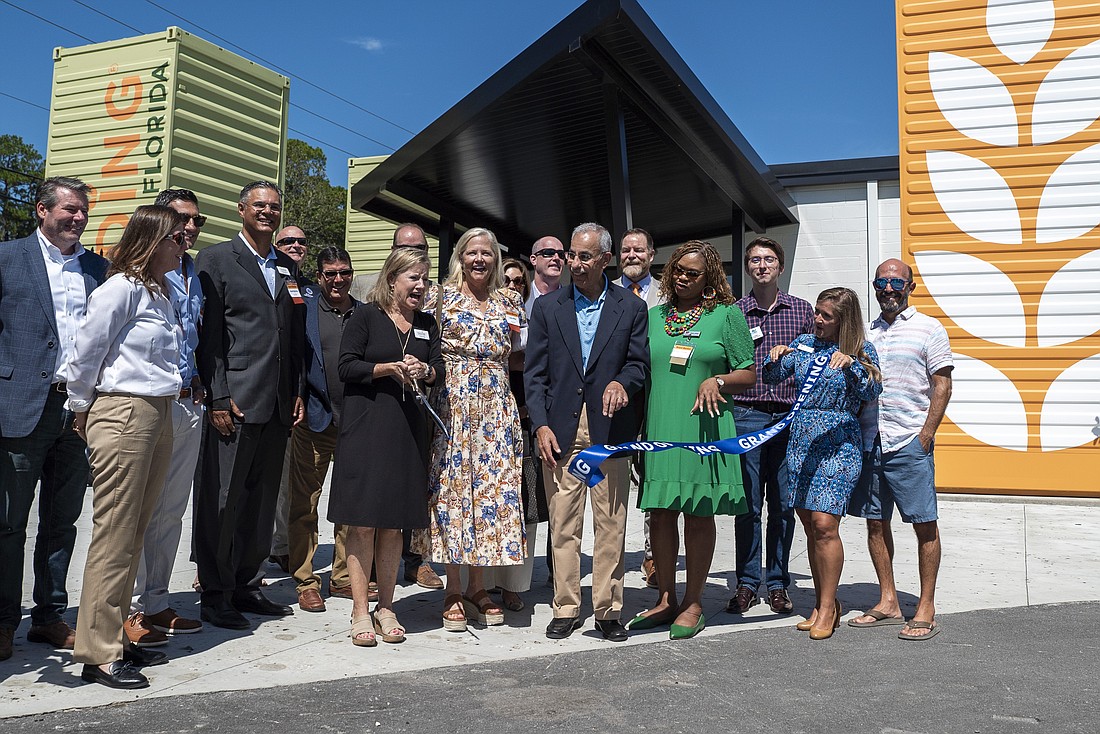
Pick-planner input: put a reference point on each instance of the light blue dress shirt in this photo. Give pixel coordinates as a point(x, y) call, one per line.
point(588, 318)
point(185, 293)
point(267, 266)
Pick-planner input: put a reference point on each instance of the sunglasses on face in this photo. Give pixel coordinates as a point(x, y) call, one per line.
point(198, 220)
point(177, 237)
point(518, 280)
point(897, 284)
point(686, 272)
point(334, 274)
point(550, 252)
point(284, 242)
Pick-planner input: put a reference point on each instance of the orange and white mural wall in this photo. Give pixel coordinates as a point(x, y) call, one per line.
point(999, 104)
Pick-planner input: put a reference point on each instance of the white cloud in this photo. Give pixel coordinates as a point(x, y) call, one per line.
point(367, 43)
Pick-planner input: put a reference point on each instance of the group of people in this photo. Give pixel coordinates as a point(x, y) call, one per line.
point(449, 413)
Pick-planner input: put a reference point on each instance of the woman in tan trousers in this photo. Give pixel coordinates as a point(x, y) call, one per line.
point(121, 382)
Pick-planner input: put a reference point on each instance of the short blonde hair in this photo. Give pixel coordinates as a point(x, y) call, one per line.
point(399, 260)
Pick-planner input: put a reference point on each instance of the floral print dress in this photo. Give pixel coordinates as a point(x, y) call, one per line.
point(476, 517)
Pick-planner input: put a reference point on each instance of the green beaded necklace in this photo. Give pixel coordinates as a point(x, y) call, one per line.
point(677, 324)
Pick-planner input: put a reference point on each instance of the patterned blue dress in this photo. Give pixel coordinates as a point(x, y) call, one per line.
point(825, 453)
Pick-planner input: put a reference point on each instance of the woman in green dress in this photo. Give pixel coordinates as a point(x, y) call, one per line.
point(701, 351)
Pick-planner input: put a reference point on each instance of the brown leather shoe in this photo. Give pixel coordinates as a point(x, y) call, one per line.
point(171, 623)
point(6, 636)
point(344, 592)
point(649, 569)
point(743, 600)
point(309, 600)
point(58, 634)
point(141, 633)
point(426, 577)
point(780, 602)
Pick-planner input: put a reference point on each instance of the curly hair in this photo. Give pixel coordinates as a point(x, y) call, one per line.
point(713, 274)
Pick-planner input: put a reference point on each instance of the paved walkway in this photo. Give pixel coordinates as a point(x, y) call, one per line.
point(997, 553)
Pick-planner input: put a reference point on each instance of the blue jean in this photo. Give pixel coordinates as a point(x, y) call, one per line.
point(764, 473)
point(54, 454)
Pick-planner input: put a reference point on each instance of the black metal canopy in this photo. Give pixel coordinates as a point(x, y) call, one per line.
point(599, 120)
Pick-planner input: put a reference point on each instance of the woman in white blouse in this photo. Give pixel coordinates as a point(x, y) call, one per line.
point(122, 379)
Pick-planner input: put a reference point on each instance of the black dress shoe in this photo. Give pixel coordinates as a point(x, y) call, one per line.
point(561, 627)
point(223, 615)
point(139, 657)
point(611, 629)
point(255, 602)
point(120, 674)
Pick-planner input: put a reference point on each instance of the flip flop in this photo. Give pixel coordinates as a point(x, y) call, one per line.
point(913, 624)
point(881, 620)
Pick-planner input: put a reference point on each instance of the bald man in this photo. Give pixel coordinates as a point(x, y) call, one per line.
point(548, 257)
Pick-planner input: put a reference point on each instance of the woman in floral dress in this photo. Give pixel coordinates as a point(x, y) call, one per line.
point(476, 517)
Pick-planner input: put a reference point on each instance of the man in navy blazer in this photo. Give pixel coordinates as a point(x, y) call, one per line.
point(313, 443)
point(45, 280)
point(587, 357)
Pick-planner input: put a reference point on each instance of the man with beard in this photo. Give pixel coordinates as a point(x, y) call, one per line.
point(899, 434)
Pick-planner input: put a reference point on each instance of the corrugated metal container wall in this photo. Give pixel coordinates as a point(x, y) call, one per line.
point(167, 110)
point(1000, 168)
point(369, 238)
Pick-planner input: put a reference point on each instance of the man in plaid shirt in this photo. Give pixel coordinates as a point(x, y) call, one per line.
point(774, 318)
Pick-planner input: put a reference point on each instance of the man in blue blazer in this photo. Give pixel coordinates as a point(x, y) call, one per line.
point(313, 443)
point(587, 359)
point(45, 280)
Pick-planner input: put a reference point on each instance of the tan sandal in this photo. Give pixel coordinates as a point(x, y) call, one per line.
point(454, 620)
point(386, 624)
point(482, 608)
point(363, 626)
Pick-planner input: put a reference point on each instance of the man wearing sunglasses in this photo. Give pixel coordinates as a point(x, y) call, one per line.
point(899, 432)
point(151, 618)
point(292, 242)
point(548, 258)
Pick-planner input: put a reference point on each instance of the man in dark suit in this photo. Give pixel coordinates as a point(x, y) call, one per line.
point(250, 359)
point(45, 280)
point(587, 356)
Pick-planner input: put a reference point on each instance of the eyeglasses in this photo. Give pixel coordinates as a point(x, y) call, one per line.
point(766, 259)
point(286, 241)
point(518, 280)
point(687, 273)
point(898, 284)
point(177, 237)
point(198, 220)
point(334, 274)
point(259, 206)
point(415, 245)
point(584, 257)
point(550, 252)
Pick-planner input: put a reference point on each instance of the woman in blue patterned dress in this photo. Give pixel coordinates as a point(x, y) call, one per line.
point(824, 454)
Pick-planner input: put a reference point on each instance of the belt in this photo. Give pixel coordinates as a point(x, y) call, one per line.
point(184, 393)
point(60, 386)
point(766, 406)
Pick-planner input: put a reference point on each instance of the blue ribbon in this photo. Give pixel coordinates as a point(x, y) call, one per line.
point(586, 466)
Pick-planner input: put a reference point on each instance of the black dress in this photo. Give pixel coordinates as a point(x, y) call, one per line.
point(380, 479)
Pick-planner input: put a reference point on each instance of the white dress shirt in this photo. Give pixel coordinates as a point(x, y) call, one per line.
point(69, 296)
point(129, 345)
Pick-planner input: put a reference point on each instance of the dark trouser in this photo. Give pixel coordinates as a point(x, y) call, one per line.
point(56, 455)
point(237, 486)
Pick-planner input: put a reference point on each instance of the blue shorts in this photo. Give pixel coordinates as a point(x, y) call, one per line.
point(906, 478)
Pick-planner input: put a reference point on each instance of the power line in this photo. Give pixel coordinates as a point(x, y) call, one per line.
point(322, 142)
point(285, 71)
point(108, 17)
point(32, 176)
point(46, 20)
point(20, 99)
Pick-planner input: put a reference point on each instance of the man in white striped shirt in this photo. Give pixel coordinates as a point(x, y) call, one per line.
point(899, 433)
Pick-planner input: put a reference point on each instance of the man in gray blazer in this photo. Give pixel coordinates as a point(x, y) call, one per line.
point(250, 359)
point(45, 280)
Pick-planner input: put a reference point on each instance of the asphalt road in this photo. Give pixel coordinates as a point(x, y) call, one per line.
point(1027, 669)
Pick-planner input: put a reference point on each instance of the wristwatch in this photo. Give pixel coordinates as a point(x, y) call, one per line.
point(720, 381)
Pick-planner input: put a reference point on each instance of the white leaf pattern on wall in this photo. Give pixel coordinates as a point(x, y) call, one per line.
point(1068, 99)
point(1019, 29)
point(1071, 408)
point(1070, 204)
point(975, 197)
point(986, 405)
point(973, 99)
point(975, 294)
point(1069, 308)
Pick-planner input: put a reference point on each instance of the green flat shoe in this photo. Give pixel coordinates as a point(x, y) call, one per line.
point(683, 632)
point(642, 622)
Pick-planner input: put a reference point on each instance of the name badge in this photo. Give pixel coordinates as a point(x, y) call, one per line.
point(756, 333)
point(295, 294)
point(681, 353)
point(692, 334)
point(512, 317)
point(282, 271)
point(805, 348)
point(421, 334)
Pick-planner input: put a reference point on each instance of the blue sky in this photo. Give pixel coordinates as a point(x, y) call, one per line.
point(802, 79)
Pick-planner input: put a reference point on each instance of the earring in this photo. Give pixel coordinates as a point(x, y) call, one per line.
point(709, 294)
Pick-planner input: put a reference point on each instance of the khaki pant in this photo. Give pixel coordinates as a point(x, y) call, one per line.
point(311, 455)
point(566, 497)
point(130, 439)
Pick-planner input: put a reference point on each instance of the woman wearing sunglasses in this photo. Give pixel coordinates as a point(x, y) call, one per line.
point(123, 377)
point(825, 451)
point(701, 352)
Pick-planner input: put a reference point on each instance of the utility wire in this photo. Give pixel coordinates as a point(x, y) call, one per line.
point(97, 11)
point(20, 99)
point(32, 176)
point(322, 142)
point(47, 20)
point(285, 71)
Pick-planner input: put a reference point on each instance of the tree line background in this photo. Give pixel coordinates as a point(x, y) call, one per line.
point(310, 201)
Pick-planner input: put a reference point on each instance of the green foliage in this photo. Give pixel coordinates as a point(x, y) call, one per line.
point(311, 202)
point(21, 168)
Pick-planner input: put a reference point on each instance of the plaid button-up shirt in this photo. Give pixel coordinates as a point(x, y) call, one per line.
point(789, 318)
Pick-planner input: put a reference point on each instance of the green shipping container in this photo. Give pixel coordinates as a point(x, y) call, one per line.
point(167, 110)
